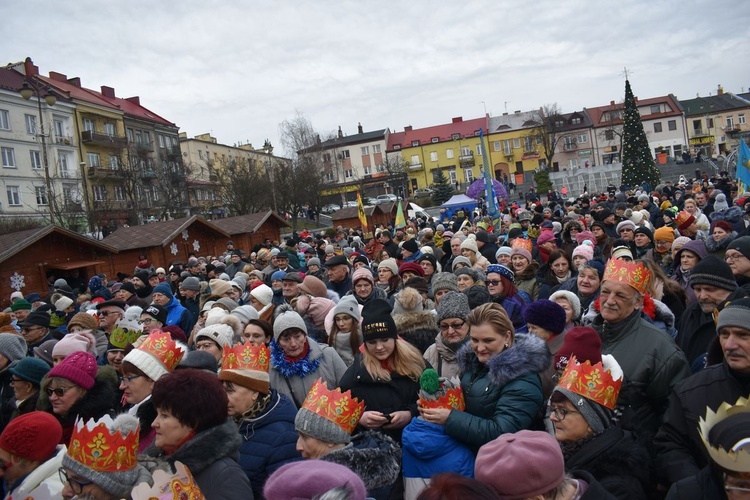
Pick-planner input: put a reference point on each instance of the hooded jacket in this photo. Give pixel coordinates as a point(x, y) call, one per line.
point(502, 395)
point(211, 456)
point(443, 357)
point(419, 328)
point(44, 481)
point(179, 316)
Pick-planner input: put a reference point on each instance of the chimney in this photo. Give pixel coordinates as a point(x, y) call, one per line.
point(29, 68)
point(505, 114)
point(720, 90)
point(135, 100)
point(457, 119)
point(359, 128)
point(517, 112)
point(407, 128)
point(108, 92)
point(58, 77)
point(341, 134)
point(317, 138)
point(75, 81)
point(611, 103)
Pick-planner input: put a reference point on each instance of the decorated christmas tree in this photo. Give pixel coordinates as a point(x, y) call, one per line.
point(638, 167)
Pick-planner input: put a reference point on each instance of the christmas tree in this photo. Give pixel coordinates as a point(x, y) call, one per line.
point(638, 167)
point(442, 191)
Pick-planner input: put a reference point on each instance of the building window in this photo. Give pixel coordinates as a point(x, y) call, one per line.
point(570, 143)
point(452, 178)
point(147, 138)
point(528, 144)
point(741, 119)
point(348, 174)
point(655, 108)
point(109, 129)
point(131, 134)
point(100, 193)
point(14, 196)
point(516, 143)
point(479, 150)
point(9, 158)
point(507, 147)
point(119, 193)
point(415, 143)
point(163, 145)
point(455, 136)
point(36, 159)
point(4, 119)
point(730, 122)
point(433, 156)
point(368, 170)
point(88, 125)
point(63, 159)
point(415, 160)
point(709, 123)
point(469, 175)
point(672, 124)
point(657, 127)
point(380, 167)
point(365, 150)
point(449, 153)
point(114, 162)
point(376, 148)
point(345, 154)
point(30, 124)
point(465, 151)
point(435, 140)
point(200, 153)
point(576, 120)
point(93, 159)
point(328, 176)
point(59, 129)
point(609, 135)
point(41, 195)
point(496, 146)
point(583, 138)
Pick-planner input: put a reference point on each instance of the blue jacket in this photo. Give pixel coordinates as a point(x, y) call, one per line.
point(427, 450)
point(268, 441)
point(179, 316)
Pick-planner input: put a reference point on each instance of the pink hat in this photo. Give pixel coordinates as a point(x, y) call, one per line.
point(75, 342)
point(585, 235)
point(521, 465)
point(522, 252)
point(545, 237)
point(319, 308)
point(79, 368)
point(584, 250)
point(362, 274)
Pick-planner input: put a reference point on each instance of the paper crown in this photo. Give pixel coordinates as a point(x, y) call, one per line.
point(593, 382)
point(634, 274)
point(177, 486)
point(440, 392)
point(97, 447)
point(246, 357)
point(522, 243)
point(161, 346)
point(126, 331)
point(342, 409)
point(739, 460)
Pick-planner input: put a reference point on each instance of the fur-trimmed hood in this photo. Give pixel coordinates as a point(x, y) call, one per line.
point(200, 452)
point(528, 354)
point(373, 456)
point(418, 328)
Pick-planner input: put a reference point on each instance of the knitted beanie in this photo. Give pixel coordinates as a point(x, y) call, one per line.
point(63, 303)
point(21, 304)
point(31, 370)
point(33, 436)
point(742, 245)
point(522, 252)
point(215, 316)
point(411, 267)
point(453, 305)
point(408, 300)
point(278, 276)
point(312, 479)
point(720, 203)
point(736, 313)
point(460, 260)
point(503, 251)
point(318, 309)
point(219, 287)
point(164, 289)
point(470, 243)
point(75, 342)
point(263, 293)
point(444, 281)
point(79, 367)
point(313, 262)
point(713, 271)
point(363, 273)
point(545, 314)
point(679, 242)
point(389, 264)
point(348, 305)
point(477, 295)
point(581, 342)
point(245, 313)
point(625, 224)
point(220, 333)
point(286, 318)
point(120, 484)
point(229, 304)
point(191, 283)
point(572, 299)
point(418, 283)
point(664, 234)
point(410, 246)
point(255, 380)
point(377, 320)
point(12, 346)
point(597, 416)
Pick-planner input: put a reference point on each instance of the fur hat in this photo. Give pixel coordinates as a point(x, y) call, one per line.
point(444, 281)
point(286, 318)
point(408, 300)
point(453, 305)
point(75, 342)
point(79, 367)
point(545, 314)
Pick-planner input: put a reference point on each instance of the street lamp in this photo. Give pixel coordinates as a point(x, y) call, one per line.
point(269, 170)
point(29, 89)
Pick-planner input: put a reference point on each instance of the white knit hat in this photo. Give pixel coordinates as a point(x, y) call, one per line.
point(215, 315)
point(245, 313)
point(470, 243)
point(63, 303)
point(221, 334)
point(263, 294)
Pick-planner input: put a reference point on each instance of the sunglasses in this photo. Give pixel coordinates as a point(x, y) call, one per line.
point(57, 391)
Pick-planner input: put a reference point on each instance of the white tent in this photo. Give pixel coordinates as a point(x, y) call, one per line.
point(460, 200)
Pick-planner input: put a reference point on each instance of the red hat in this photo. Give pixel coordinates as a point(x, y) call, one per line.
point(33, 436)
point(684, 220)
point(584, 343)
point(79, 368)
point(411, 266)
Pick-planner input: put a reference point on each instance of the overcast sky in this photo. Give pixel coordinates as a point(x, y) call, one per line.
point(237, 69)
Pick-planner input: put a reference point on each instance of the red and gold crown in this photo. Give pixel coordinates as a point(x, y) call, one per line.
point(342, 409)
point(737, 459)
point(96, 446)
point(161, 346)
point(246, 357)
point(522, 243)
point(449, 396)
point(178, 486)
point(593, 382)
point(634, 274)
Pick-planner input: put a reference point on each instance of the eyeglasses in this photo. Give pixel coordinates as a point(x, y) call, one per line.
point(560, 412)
point(737, 489)
point(662, 243)
point(626, 230)
point(493, 282)
point(146, 321)
point(104, 314)
point(57, 391)
point(75, 484)
point(27, 329)
point(454, 326)
point(732, 257)
point(13, 380)
point(129, 379)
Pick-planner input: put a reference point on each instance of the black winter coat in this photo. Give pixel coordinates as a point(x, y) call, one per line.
point(703, 486)
point(618, 461)
point(399, 394)
point(679, 449)
point(594, 490)
point(489, 250)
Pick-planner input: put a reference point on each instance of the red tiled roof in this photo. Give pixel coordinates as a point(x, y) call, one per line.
point(247, 223)
point(596, 113)
point(465, 128)
point(156, 234)
point(131, 108)
point(74, 92)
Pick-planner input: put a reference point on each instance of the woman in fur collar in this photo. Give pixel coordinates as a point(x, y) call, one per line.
point(500, 379)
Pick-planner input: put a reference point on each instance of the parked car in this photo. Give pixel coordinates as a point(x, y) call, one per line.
point(421, 192)
point(330, 208)
point(386, 198)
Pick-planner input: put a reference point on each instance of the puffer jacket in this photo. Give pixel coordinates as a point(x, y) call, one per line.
point(44, 481)
point(417, 328)
point(503, 395)
point(428, 450)
point(443, 357)
point(269, 441)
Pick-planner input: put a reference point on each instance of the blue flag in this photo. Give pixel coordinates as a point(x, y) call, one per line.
point(743, 167)
point(489, 189)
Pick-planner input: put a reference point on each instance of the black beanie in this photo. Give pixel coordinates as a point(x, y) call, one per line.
point(713, 271)
point(477, 295)
point(646, 231)
point(377, 321)
point(411, 246)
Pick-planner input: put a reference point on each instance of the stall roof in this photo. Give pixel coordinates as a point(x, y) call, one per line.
point(249, 223)
point(156, 233)
point(12, 243)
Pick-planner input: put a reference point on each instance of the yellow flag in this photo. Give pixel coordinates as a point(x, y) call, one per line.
point(361, 212)
point(400, 220)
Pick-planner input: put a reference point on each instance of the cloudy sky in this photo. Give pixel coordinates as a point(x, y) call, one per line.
point(237, 69)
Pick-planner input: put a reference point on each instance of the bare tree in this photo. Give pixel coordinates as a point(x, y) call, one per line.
point(397, 168)
point(244, 185)
point(547, 130)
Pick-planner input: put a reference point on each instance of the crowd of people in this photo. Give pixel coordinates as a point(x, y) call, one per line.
point(596, 347)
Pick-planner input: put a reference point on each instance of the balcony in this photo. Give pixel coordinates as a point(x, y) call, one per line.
point(143, 147)
point(699, 132)
point(173, 151)
point(67, 174)
point(64, 140)
point(414, 167)
point(148, 174)
point(466, 160)
point(99, 171)
point(73, 207)
point(104, 140)
point(570, 146)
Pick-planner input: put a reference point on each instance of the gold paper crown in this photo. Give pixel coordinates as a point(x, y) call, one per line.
point(450, 398)
point(126, 331)
point(522, 243)
point(177, 486)
point(592, 382)
point(96, 446)
point(246, 357)
point(161, 346)
point(738, 461)
point(342, 409)
point(634, 274)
